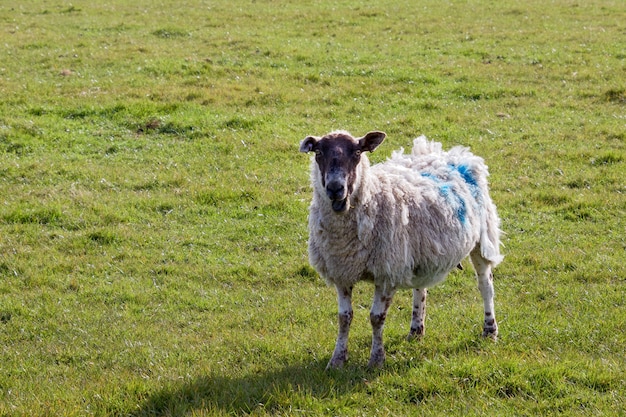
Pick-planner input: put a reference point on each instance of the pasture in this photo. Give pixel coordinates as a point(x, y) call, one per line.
point(153, 205)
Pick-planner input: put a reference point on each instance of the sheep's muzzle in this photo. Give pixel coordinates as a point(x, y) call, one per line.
point(336, 192)
point(340, 206)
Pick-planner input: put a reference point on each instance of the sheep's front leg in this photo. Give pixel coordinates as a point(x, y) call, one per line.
point(378, 314)
point(344, 300)
point(419, 313)
point(485, 285)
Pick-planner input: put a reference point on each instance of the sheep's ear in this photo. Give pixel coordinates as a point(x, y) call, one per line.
point(308, 144)
point(371, 141)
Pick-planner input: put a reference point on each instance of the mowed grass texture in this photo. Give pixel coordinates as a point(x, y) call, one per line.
point(153, 205)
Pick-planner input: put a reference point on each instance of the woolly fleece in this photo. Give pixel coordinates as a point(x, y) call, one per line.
point(412, 219)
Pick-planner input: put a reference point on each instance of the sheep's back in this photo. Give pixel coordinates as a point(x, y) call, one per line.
point(421, 225)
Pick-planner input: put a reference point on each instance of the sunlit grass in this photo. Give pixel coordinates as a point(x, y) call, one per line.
point(153, 205)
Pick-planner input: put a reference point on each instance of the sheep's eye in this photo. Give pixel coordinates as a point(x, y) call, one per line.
point(357, 153)
point(318, 152)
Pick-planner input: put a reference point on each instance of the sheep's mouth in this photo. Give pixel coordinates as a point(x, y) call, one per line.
point(340, 206)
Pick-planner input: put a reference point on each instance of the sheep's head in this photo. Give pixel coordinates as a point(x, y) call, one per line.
point(337, 156)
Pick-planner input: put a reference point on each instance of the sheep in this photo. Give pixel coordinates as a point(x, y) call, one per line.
point(403, 223)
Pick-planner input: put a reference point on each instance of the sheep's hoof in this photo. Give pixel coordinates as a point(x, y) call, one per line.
point(377, 359)
point(334, 364)
point(337, 361)
point(416, 334)
point(491, 331)
point(490, 335)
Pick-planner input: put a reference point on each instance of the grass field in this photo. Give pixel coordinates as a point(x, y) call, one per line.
point(153, 204)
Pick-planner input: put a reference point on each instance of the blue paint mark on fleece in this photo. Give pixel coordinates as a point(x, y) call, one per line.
point(455, 201)
point(461, 210)
point(468, 177)
point(430, 176)
point(447, 191)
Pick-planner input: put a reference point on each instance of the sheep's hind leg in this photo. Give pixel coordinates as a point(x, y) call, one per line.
point(419, 314)
point(378, 314)
point(344, 300)
point(485, 285)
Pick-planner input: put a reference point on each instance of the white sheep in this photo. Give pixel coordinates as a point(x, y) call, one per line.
point(404, 223)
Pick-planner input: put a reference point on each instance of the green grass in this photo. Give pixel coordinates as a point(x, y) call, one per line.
point(153, 204)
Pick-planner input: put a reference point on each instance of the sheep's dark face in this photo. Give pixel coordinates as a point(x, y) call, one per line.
point(337, 156)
